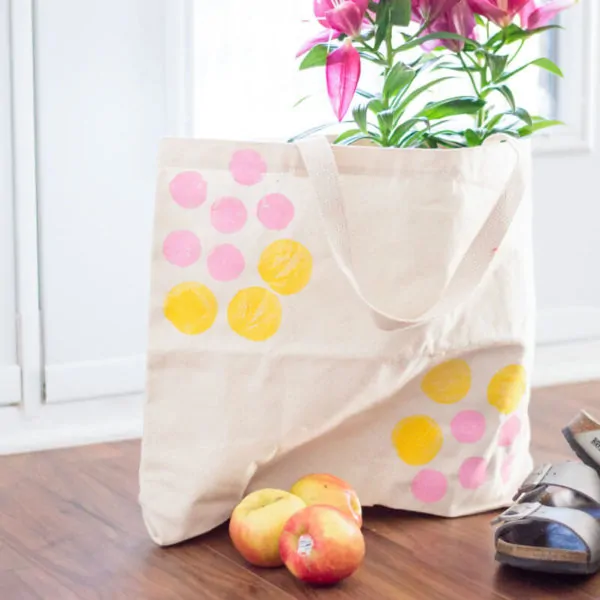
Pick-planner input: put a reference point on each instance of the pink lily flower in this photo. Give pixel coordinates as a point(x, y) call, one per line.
point(537, 14)
point(337, 17)
point(429, 10)
point(342, 73)
point(449, 16)
point(501, 12)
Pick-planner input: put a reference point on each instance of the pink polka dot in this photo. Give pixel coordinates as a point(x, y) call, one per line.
point(247, 167)
point(228, 215)
point(506, 468)
point(468, 426)
point(182, 248)
point(509, 431)
point(188, 189)
point(225, 263)
point(275, 211)
point(429, 486)
point(473, 473)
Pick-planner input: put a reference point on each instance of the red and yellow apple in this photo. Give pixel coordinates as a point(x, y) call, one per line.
point(321, 545)
point(257, 522)
point(322, 488)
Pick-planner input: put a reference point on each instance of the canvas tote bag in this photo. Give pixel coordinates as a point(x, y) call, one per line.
point(359, 311)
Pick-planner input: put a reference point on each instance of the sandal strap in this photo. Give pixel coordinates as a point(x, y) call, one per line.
point(573, 476)
point(583, 525)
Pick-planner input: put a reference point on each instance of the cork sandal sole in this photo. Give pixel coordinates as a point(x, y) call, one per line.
point(584, 427)
point(545, 560)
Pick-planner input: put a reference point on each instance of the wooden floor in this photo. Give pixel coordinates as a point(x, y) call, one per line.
point(70, 529)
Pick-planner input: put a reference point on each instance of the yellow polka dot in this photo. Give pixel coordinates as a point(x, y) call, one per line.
point(255, 313)
point(417, 440)
point(191, 307)
point(286, 266)
point(507, 388)
point(448, 383)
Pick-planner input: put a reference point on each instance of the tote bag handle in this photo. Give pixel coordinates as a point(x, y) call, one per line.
point(319, 160)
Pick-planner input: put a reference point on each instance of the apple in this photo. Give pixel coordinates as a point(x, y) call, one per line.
point(256, 524)
point(321, 545)
point(322, 488)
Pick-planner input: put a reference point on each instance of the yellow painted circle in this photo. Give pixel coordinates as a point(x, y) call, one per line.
point(417, 440)
point(448, 383)
point(507, 388)
point(191, 307)
point(286, 266)
point(255, 313)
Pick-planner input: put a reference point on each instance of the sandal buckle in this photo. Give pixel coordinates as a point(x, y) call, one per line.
point(517, 512)
point(533, 480)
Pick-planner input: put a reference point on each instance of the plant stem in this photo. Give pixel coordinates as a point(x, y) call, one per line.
point(480, 112)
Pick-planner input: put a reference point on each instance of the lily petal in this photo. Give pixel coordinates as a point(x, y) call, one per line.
point(321, 38)
point(342, 73)
point(545, 13)
point(488, 9)
point(320, 7)
point(346, 17)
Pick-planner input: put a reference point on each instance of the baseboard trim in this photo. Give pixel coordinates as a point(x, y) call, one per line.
point(117, 418)
point(564, 363)
point(73, 424)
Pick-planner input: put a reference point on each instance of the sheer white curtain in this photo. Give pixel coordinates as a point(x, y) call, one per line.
point(247, 80)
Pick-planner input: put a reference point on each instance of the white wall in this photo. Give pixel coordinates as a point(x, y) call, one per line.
point(10, 387)
point(100, 93)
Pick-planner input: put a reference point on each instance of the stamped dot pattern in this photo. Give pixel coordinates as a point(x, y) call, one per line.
point(419, 440)
point(254, 313)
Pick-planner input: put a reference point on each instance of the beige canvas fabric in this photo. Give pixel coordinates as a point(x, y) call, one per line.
point(360, 311)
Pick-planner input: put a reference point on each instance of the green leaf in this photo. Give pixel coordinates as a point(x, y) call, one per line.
point(546, 63)
point(299, 102)
point(399, 77)
point(442, 35)
point(357, 138)
point(543, 63)
point(465, 105)
point(346, 134)
point(382, 22)
point(365, 94)
point(497, 64)
point(360, 116)
point(523, 115)
point(537, 126)
point(386, 121)
point(403, 128)
point(402, 104)
point(514, 33)
point(504, 90)
point(400, 12)
point(376, 105)
point(316, 57)
point(309, 132)
point(472, 138)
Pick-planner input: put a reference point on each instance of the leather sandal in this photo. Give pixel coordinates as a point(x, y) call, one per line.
point(583, 435)
point(554, 525)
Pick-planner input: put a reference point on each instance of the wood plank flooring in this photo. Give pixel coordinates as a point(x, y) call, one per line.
point(70, 529)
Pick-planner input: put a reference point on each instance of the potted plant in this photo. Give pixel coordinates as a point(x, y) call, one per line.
point(418, 48)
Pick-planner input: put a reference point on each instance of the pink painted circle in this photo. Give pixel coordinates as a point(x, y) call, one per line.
point(429, 486)
point(228, 215)
point(468, 426)
point(473, 473)
point(188, 189)
point(247, 167)
point(509, 431)
point(182, 248)
point(275, 211)
point(506, 468)
point(225, 263)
